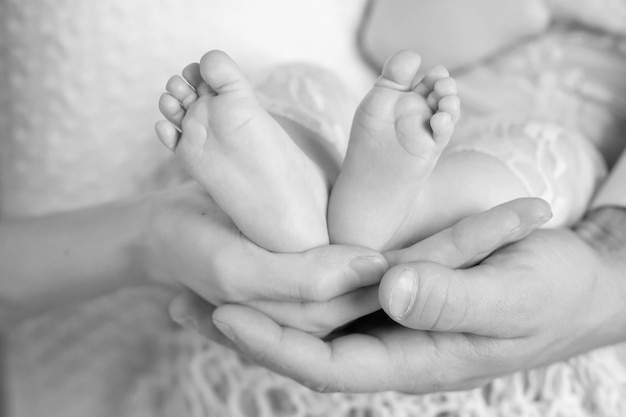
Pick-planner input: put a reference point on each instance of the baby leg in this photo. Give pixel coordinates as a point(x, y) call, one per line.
point(494, 162)
point(388, 197)
point(274, 193)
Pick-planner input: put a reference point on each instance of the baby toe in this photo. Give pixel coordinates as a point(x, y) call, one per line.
point(191, 74)
point(442, 88)
point(400, 70)
point(171, 109)
point(442, 126)
point(180, 90)
point(427, 84)
point(167, 134)
point(411, 130)
point(452, 106)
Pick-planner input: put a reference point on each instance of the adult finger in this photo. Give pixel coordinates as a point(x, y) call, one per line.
point(214, 259)
point(194, 313)
point(321, 318)
point(396, 358)
point(318, 275)
point(478, 300)
point(322, 366)
point(474, 238)
point(285, 350)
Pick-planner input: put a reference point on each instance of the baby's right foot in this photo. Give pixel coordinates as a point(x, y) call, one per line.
point(252, 168)
point(398, 134)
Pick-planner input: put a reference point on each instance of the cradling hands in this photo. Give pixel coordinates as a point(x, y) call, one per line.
point(193, 243)
point(460, 322)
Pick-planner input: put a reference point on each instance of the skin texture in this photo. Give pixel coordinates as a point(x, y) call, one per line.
point(518, 308)
point(243, 156)
point(398, 133)
point(180, 238)
point(194, 242)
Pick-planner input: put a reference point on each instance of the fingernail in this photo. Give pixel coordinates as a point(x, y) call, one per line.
point(187, 322)
point(546, 216)
point(403, 294)
point(225, 329)
point(369, 268)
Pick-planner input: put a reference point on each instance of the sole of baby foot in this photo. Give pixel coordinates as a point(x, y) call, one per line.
point(242, 156)
point(399, 131)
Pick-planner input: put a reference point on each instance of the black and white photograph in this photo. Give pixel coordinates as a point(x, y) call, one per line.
point(313, 208)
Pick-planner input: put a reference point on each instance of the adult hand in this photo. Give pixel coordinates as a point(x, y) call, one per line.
point(542, 299)
point(511, 303)
point(190, 240)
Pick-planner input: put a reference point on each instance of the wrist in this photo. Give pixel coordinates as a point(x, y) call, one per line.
point(604, 230)
point(139, 214)
point(150, 250)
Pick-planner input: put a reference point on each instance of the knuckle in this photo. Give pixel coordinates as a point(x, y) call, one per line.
point(458, 302)
point(306, 291)
point(438, 307)
point(313, 290)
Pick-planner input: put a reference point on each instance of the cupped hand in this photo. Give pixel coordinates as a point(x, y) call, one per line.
point(531, 302)
point(191, 241)
point(545, 298)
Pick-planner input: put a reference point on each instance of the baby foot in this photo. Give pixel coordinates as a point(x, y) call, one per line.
point(398, 133)
point(252, 168)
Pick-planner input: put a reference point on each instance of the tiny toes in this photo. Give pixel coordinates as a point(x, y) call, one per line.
point(171, 108)
point(443, 87)
point(181, 91)
point(452, 106)
point(427, 84)
point(167, 134)
point(411, 113)
point(442, 125)
point(191, 74)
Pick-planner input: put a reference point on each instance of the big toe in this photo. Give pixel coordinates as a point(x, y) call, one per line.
point(222, 74)
point(400, 70)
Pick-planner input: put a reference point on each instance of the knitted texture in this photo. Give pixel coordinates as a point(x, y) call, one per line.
point(218, 382)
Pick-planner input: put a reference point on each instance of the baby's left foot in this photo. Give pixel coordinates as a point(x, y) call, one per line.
point(399, 131)
point(274, 193)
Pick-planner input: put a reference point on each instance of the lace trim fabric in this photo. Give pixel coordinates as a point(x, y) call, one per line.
point(571, 78)
point(552, 163)
point(218, 382)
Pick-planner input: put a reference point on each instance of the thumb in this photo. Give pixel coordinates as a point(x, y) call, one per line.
point(429, 296)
